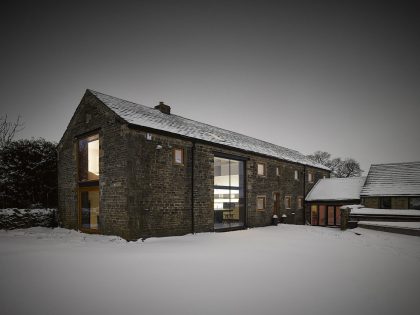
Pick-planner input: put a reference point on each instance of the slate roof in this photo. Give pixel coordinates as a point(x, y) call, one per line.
point(141, 115)
point(394, 179)
point(336, 189)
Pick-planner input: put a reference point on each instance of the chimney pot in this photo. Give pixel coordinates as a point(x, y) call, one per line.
point(163, 108)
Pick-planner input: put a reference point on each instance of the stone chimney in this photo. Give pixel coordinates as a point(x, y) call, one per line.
point(163, 108)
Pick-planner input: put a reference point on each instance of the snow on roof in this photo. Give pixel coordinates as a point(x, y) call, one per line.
point(394, 179)
point(337, 189)
point(141, 115)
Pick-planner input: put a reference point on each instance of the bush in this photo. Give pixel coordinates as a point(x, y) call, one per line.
point(28, 174)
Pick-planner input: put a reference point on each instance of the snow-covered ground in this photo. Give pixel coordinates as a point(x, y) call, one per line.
point(273, 270)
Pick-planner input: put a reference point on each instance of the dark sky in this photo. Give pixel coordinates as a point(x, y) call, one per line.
point(341, 77)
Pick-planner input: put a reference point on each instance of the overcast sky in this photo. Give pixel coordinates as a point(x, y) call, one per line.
point(344, 78)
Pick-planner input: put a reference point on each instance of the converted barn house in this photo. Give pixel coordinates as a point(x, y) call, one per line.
point(328, 195)
point(392, 186)
point(135, 171)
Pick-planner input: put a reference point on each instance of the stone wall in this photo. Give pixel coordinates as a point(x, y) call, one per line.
point(92, 116)
point(371, 202)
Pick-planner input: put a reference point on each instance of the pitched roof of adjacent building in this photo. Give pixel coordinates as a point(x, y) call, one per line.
point(393, 179)
point(141, 115)
point(336, 189)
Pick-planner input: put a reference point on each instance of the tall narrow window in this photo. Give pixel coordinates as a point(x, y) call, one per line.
point(277, 171)
point(261, 171)
point(300, 202)
point(296, 175)
point(179, 156)
point(88, 181)
point(310, 177)
point(288, 202)
point(89, 158)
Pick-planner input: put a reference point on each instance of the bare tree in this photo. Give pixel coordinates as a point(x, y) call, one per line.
point(9, 129)
point(339, 168)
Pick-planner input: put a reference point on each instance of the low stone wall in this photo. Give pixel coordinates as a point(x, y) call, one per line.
point(14, 218)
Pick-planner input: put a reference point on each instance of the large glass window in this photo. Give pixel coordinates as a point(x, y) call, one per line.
point(89, 208)
point(229, 195)
point(89, 158)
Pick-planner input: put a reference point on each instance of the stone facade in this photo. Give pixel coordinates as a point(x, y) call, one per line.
point(143, 193)
point(396, 202)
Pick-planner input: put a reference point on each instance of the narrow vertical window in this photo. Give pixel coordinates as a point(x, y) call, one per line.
point(261, 171)
point(296, 175)
point(288, 202)
point(277, 171)
point(88, 182)
point(310, 178)
point(300, 202)
point(179, 156)
point(89, 158)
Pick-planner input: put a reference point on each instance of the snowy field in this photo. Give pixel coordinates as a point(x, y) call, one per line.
point(274, 270)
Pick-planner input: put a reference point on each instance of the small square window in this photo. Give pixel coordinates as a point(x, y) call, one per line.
point(296, 175)
point(277, 171)
point(261, 169)
point(310, 178)
point(288, 202)
point(179, 156)
point(261, 203)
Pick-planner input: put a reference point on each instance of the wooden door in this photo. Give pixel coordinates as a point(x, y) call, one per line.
point(276, 206)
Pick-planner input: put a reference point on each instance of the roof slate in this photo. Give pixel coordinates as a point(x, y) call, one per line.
point(141, 115)
point(394, 179)
point(332, 189)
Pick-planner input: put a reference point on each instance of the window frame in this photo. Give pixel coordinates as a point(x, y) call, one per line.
point(182, 150)
point(264, 198)
point(311, 175)
point(300, 202)
point(288, 205)
point(277, 171)
point(79, 210)
point(265, 169)
point(296, 175)
point(87, 182)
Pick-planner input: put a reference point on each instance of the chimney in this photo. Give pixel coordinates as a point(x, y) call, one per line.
point(163, 108)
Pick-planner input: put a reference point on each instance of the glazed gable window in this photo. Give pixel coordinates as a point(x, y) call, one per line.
point(88, 157)
point(261, 169)
point(179, 156)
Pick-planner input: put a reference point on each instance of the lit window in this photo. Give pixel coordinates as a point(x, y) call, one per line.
point(261, 169)
point(260, 203)
point(310, 178)
point(277, 171)
point(88, 156)
point(296, 175)
point(178, 156)
point(287, 202)
point(300, 202)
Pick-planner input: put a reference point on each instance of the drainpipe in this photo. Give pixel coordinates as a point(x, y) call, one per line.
point(192, 188)
point(304, 194)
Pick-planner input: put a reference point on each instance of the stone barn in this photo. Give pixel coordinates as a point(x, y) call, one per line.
point(134, 171)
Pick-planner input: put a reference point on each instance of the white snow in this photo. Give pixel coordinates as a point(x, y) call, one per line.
point(336, 189)
point(404, 225)
point(283, 269)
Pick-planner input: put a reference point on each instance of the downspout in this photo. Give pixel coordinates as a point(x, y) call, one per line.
point(304, 194)
point(192, 188)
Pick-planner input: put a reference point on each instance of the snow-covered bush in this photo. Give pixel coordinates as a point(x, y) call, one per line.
point(28, 174)
point(14, 218)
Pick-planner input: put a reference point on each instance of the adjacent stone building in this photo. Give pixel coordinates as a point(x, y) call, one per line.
point(326, 198)
point(135, 171)
point(392, 186)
